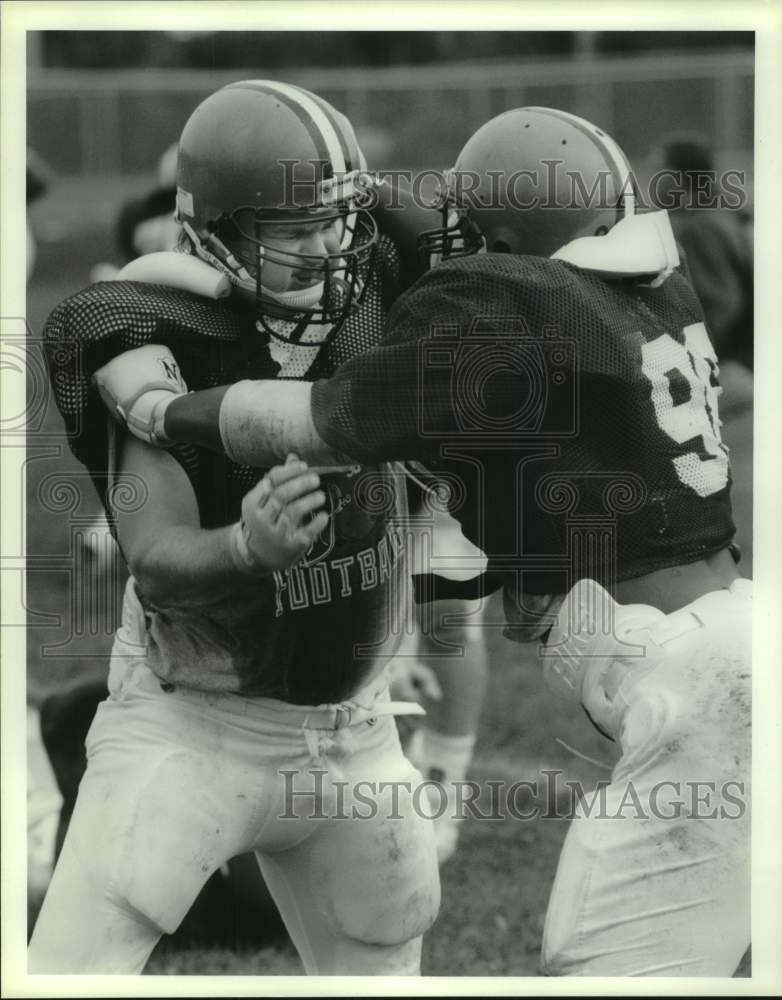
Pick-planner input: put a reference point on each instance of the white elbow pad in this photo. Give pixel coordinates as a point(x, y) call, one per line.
point(137, 388)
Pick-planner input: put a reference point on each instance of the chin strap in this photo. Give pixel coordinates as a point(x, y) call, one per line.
point(638, 245)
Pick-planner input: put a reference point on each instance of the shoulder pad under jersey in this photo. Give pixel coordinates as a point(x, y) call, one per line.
point(178, 270)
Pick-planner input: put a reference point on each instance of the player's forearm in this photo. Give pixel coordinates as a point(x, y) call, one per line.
point(258, 423)
point(255, 423)
point(262, 422)
point(188, 567)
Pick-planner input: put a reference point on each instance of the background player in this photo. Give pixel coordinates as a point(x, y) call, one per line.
point(633, 508)
point(237, 658)
point(717, 242)
point(715, 239)
point(450, 641)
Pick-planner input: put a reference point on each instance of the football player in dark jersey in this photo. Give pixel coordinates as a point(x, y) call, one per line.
point(556, 365)
point(249, 705)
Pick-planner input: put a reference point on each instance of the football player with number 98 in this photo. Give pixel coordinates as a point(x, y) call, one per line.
point(556, 362)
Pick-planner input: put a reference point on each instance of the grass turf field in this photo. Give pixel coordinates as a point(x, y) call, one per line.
point(496, 887)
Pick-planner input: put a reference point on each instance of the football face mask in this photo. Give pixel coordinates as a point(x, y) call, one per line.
point(305, 266)
point(458, 236)
point(272, 190)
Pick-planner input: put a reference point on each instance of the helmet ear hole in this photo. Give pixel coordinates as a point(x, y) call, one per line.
point(601, 230)
point(503, 239)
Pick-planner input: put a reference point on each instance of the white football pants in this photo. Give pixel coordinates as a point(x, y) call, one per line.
point(654, 878)
point(177, 783)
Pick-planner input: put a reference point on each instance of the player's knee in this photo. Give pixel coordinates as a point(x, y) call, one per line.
point(160, 907)
point(351, 957)
point(399, 895)
point(398, 922)
point(397, 960)
point(403, 912)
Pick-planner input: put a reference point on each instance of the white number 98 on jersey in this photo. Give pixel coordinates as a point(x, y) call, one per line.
point(685, 390)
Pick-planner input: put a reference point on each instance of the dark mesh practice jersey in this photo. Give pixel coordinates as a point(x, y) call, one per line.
point(308, 635)
point(575, 417)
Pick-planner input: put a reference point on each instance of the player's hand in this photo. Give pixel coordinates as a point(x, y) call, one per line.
point(279, 520)
point(412, 680)
point(137, 387)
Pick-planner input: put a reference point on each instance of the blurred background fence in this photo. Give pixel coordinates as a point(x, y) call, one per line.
point(99, 122)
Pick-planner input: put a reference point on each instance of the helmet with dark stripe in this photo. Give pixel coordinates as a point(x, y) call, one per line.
point(256, 158)
point(528, 182)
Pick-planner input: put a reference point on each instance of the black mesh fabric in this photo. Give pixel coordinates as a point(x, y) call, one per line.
point(532, 384)
point(215, 343)
point(252, 641)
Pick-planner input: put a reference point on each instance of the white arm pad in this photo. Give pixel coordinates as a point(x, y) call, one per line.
point(177, 270)
point(263, 422)
point(138, 386)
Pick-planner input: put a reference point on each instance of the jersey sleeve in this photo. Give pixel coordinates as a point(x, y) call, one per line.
point(89, 329)
point(73, 354)
point(401, 399)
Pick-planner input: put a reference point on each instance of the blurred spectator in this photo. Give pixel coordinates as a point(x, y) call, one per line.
point(716, 241)
point(146, 224)
point(38, 179)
